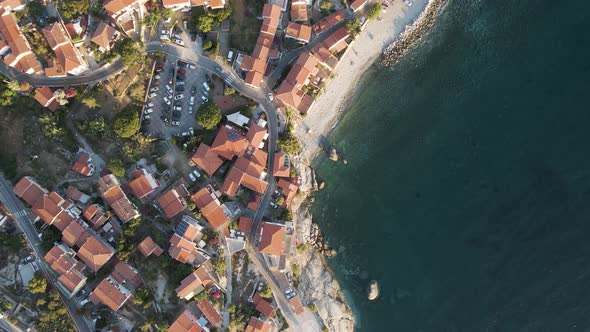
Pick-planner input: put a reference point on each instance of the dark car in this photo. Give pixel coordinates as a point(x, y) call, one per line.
point(171, 72)
point(193, 90)
point(182, 64)
point(180, 77)
point(175, 114)
point(182, 71)
point(178, 103)
point(180, 88)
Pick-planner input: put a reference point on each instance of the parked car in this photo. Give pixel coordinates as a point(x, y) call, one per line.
point(180, 88)
point(193, 90)
point(191, 130)
point(180, 77)
point(176, 123)
point(208, 78)
point(192, 101)
point(157, 77)
point(204, 99)
point(168, 88)
point(206, 86)
point(28, 259)
point(274, 205)
point(196, 173)
point(171, 72)
point(192, 177)
point(205, 92)
point(182, 71)
point(154, 89)
point(152, 95)
point(184, 133)
point(182, 64)
point(83, 302)
point(177, 108)
point(167, 101)
point(147, 116)
point(230, 56)
point(191, 66)
point(177, 36)
point(150, 105)
point(165, 32)
point(270, 96)
point(179, 96)
point(148, 110)
point(178, 42)
point(180, 83)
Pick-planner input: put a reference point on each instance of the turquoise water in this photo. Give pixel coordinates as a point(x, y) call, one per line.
point(467, 193)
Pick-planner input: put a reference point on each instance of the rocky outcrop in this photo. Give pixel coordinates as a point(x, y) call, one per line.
point(307, 175)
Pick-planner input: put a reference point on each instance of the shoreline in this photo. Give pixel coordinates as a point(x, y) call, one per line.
point(392, 33)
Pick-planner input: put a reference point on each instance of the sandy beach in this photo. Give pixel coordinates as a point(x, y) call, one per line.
point(329, 108)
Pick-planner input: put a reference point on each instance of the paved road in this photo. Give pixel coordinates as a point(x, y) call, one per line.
point(90, 77)
point(8, 326)
point(12, 203)
point(228, 285)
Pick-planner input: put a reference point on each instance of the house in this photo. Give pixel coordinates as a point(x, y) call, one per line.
point(270, 238)
point(258, 325)
point(144, 184)
point(336, 42)
point(185, 5)
point(172, 202)
point(329, 21)
point(282, 165)
point(45, 96)
point(209, 312)
point(14, 48)
point(110, 293)
point(95, 252)
point(295, 302)
point(194, 283)
point(254, 202)
point(207, 200)
point(110, 189)
point(95, 215)
point(186, 322)
point(289, 190)
point(358, 5)
point(29, 190)
point(245, 225)
point(61, 259)
point(83, 165)
point(207, 159)
point(104, 36)
point(121, 12)
point(290, 91)
point(299, 11)
point(229, 143)
point(77, 30)
point(74, 194)
point(299, 32)
point(256, 135)
point(75, 234)
point(13, 5)
point(69, 59)
point(263, 306)
point(126, 274)
point(183, 243)
point(148, 247)
point(247, 173)
point(53, 209)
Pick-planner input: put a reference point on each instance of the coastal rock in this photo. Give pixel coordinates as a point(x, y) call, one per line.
point(373, 291)
point(333, 154)
point(307, 175)
point(322, 185)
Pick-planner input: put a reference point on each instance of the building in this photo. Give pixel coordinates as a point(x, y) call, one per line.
point(111, 293)
point(329, 22)
point(299, 11)
point(186, 5)
point(74, 194)
point(358, 5)
point(13, 5)
point(148, 247)
point(61, 259)
point(186, 322)
point(29, 190)
point(144, 184)
point(14, 47)
point(282, 165)
point(270, 238)
point(110, 189)
point(121, 12)
point(69, 59)
point(290, 91)
point(95, 215)
point(126, 274)
point(75, 234)
point(104, 36)
point(289, 190)
point(83, 165)
point(173, 202)
point(46, 97)
point(299, 32)
point(295, 302)
point(245, 225)
point(258, 325)
point(195, 283)
point(207, 200)
point(209, 311)
point(183, 243)
point(207, 159)
point(54, 210)
point(95, 252)
point(263, 306)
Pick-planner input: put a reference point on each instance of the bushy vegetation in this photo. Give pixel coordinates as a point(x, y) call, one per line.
point(129, 51)
point(214, 50)
point(38, 284)
point(354, 26)
point(156, 15)
point(208, 22)
point(71, 8)
point(288, 142)
point(126, 123)
point(208, 115)
point(374, 11)
point(239, 314)
point(53, 315)
point(116, 167)
point(137, 91)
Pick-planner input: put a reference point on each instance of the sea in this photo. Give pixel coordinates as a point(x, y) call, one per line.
point(467, 189)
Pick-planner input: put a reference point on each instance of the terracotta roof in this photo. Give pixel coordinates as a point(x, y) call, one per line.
point(245, 225)
point(83, 165)
point(263, 306)
point(281, 165)
point(289, 190)
point(254, 78)
point(55, 35)
point(357, 4)
point(298, 31)
point(206, 159)
point(256, 134)
point(54, 254)
point(172, 203)
point(95, 215)
point(269, 26)
point(110, 293)
point(210, 207)
point(336, 42)
point(229, 143)
point(254, 203)
point(246, 173)
point(271, 11)
point(113, 7)
point(261, 52)
point(103, 35)
point(258, 325)
point(216, 4)
point(67, 267)
point(51, 209)
point(271, 238)
point(95, 253)
point(73, 193)
point(295, 302)
point(298, 13)
point(173, 3)
point(148, 247)
point(210, 312)
point(44, 95)
point(329, 21)
point(194, 283)
point(21, 56)
point(111, 191)
point(128, 273)
point(29, 190)
point(144, 185)
point(264, 41)
point(12, 4)
point(186, 322)
point(75, 234)
point(183, 250)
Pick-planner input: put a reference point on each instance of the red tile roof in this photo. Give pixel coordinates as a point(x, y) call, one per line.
point(95, 253)
point(51, 209)
point(129, 273)
point(256, 134)
point(271, 11)
point(245, 172)
point(263, 306)
point(195, 282)
point(182, 249)
point(75, 234)
point(271, 239)
point(245, 225)
point(110, 293)
point(29, 190)
point(21, 57)
point(299, 13)
point(206, 159)
point(289, 190)
point(111, 191)
point(186, 322)
point(229, 143)
point(295, 302)
point(281, 165)
point(258, 325)
point(358, 4)
point(210, 207)
point(329, 21)
point(83, 165)
point(210, 312)
point(103, 35)
point(44, 95)
point(172, 203)
point(144, 184)
point(298, 31)
point(95, 215)
point(254, 203)
point(113, 7)
point(148, 247)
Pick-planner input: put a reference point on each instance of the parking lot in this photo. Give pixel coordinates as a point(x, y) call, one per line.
point(174, 87)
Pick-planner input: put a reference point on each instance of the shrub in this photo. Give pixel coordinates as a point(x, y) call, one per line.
point(207, 44)
point(374, 11)
point(289, 143)
point(126, 123)
point(208, 115)
point(116, 167)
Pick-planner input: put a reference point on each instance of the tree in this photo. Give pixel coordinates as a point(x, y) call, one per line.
point(142, 297)
point(280, 200)
point(160, 56)
point(71, 8)
point(374, 11)
point(229, 91)
point(116, 167)
point(353, 26)
point(289, 143)
point(326, 5)
point(49, 125)
point(156, 15)
point(6, 95)
point(38, 285)
point(208, 22)
point(214, 50)
point(90, 102)
point(266, 292)
point(137, 91)
point(128, 50)
point(96, 127)
point(208, 115)
point(126, 123)
point(207, 44)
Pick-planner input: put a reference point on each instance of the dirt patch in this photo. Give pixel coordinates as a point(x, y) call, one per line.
point(245, 28)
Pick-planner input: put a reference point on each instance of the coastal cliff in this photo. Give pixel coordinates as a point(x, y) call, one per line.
point(317, 284)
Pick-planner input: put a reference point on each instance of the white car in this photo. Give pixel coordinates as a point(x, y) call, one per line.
point(206, 86)
point(192, 101)
point(184, 133)
point(179, 83)
point(147, 116)
point(176, 123)
point(179, 97)
point(274, 205)
point(150, 105)
point(192, 177)
point(270, 96)
point(230, 56)
point(83, 302)
point(154, 89)
point(148, 110)
point(168, 88)
point(152, 95)
point(196, 173)
point(204, 99)
point(167, 101)
point(178, 42)
point(177, 108)
point(166, 32)
point(177, 36)
point(191, 130)
point(157, 77)
point(191, 66)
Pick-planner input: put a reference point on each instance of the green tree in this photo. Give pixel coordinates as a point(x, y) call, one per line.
point(38, 285)
point(142, 297)
point(34, 9)
point(289, 143)
point(326, 5)
point(137, 91)
point(354, 26)
point(126, 122)
point(207, 44)
point(50, 127)
point(95, 127)
point(208, 115)
point(160, 56)
point(266, 292)
point(156, 15)
point(116, 167)
point(72, 8)
point(208, 22)
point(280, 200)
point(90, 102)
point(214, 50)
point(374, 11)
point(129, 51)
point(229, 91)
point(6, 94)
